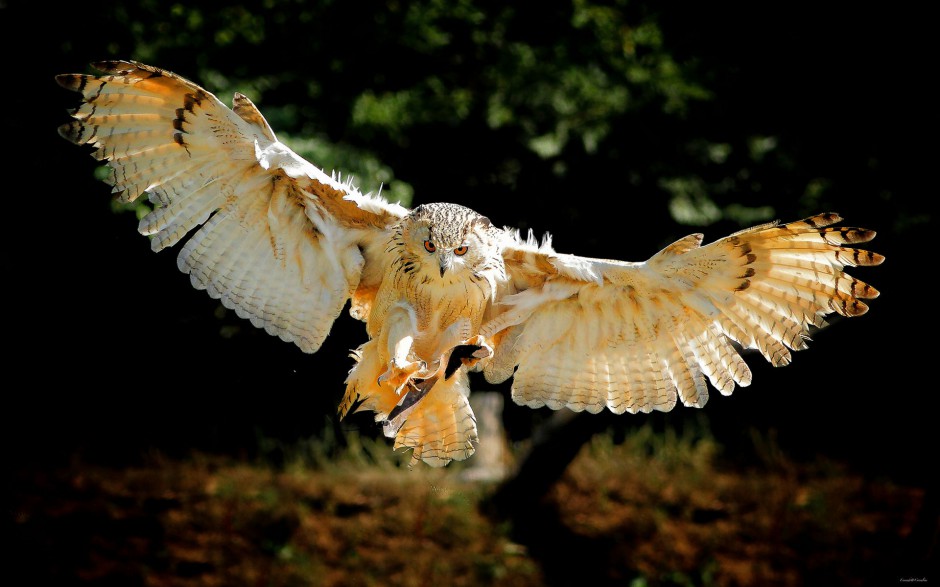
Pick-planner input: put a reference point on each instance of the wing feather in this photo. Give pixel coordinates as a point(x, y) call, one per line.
point(593, 333)
point(278, 240)
point(285, 246)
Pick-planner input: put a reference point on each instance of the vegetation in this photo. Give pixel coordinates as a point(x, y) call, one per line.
point(651, 509)
point(608, 96)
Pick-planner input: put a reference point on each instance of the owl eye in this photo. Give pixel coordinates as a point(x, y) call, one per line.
point(429, 246)
point(460, 251)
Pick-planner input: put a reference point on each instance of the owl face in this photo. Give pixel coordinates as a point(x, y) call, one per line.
point(448, 241)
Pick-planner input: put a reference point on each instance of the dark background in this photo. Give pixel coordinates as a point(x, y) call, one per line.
point(110, 353)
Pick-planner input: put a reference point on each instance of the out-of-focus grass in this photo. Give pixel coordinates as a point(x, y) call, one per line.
point(657, 508)
point(668, 511)
point(362, 518)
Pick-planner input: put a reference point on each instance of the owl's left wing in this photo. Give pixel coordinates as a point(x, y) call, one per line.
point(280, 242)
point(588, 333)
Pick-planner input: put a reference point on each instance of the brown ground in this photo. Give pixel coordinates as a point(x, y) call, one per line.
point(650, 511)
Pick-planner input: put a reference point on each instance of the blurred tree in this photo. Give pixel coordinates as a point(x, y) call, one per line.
point(610, 98)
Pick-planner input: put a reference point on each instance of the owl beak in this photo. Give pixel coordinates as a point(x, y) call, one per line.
point(445, 261)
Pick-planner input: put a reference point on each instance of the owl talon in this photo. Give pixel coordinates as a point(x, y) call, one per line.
point(483, 351)
point(399, 374)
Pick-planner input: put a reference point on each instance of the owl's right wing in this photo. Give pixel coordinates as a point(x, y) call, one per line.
point(281, 243)
point(590, 333)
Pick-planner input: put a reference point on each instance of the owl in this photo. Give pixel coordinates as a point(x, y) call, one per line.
point(443, 291)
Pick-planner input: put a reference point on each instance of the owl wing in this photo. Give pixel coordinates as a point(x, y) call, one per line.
point(281, 243)
point(588, 333)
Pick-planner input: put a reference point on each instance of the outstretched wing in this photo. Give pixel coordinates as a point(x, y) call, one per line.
point(281, 243)
point(589, 333)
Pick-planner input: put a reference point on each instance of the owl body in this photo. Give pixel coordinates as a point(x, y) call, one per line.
point(441, 290)
point(444, 272)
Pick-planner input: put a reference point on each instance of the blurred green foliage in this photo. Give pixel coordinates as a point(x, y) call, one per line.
point(554, 99)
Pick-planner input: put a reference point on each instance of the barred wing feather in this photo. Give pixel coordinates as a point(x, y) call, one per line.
point(281, 242)
point(634, 337)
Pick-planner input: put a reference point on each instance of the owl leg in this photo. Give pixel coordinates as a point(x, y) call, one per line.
point(452, 336)
point(456, 347)
point(400, 326)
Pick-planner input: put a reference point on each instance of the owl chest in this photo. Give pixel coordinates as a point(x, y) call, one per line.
point(436, 304)
point(437, 308)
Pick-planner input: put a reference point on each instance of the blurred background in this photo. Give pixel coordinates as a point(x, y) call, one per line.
point(153, 438)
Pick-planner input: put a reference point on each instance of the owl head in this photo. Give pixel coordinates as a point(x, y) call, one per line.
point(449, 242)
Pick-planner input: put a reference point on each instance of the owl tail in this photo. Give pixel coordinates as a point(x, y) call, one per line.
point(440, 427)
point(433, 417)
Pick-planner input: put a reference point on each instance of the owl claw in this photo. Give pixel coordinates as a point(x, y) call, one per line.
point(483, 351)
point(399, 374)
